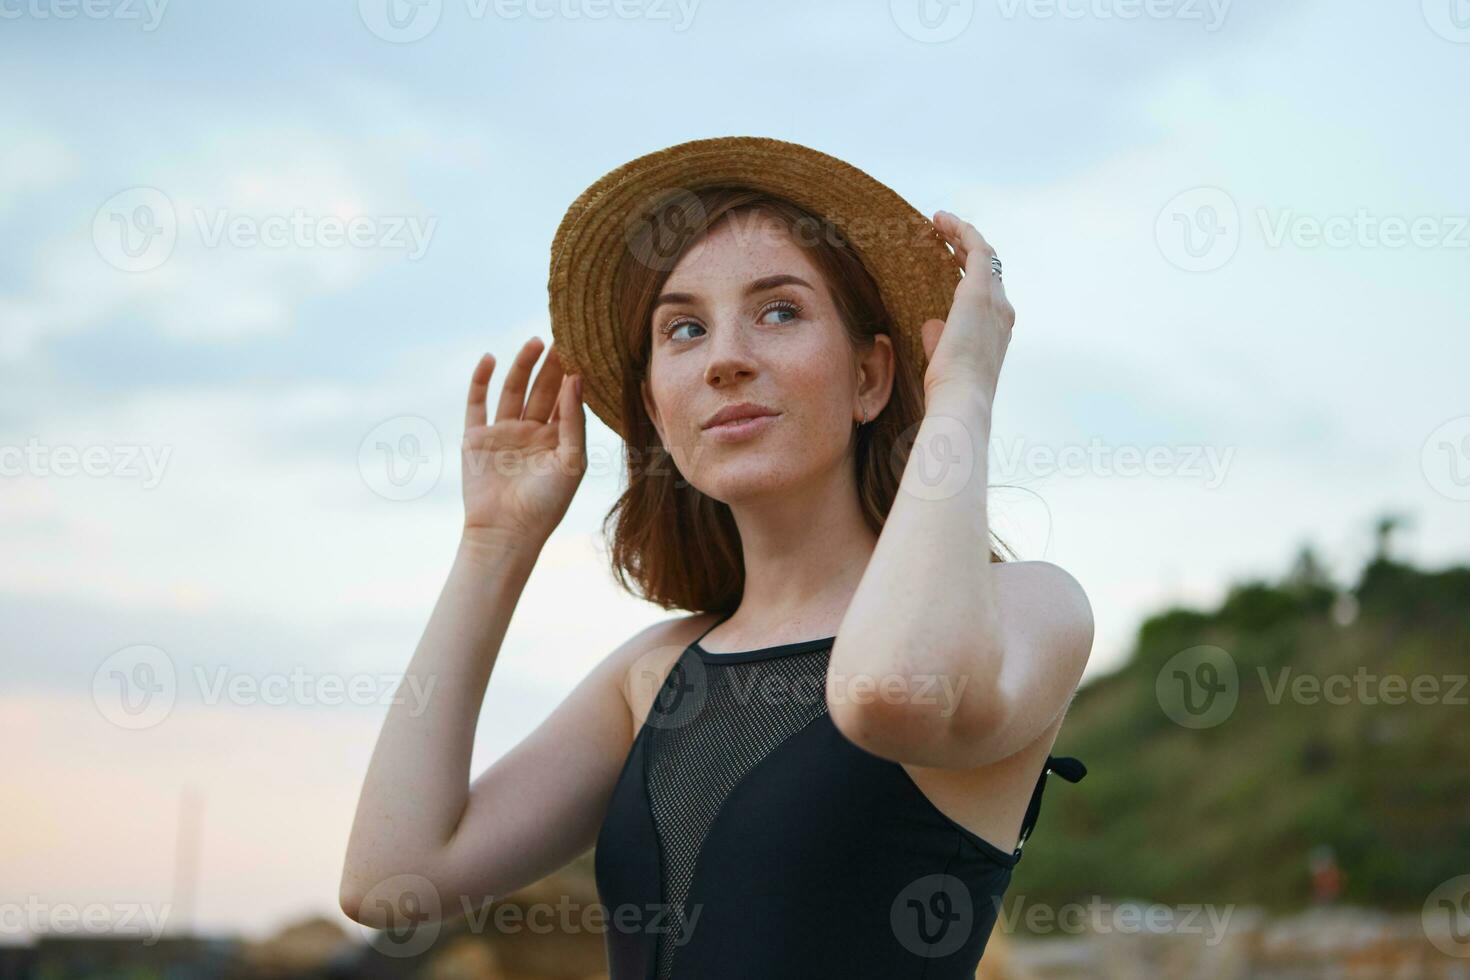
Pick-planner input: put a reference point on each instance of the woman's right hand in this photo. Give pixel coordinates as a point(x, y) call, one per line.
point(521, 469)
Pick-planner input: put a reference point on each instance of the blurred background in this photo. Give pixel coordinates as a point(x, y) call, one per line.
point(250, 253)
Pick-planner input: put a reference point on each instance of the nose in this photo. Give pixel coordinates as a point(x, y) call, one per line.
point(730, 361)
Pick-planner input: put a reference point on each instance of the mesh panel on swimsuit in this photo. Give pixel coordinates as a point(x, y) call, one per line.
point(700, 752)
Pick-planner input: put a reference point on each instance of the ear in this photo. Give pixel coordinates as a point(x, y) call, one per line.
point(876, 368)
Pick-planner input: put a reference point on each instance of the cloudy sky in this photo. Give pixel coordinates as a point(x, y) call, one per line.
point(1236, 235)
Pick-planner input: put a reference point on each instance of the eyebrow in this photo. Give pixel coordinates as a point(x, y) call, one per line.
point(756, 286)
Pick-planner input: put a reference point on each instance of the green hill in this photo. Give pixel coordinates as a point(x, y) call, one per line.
point(1312, 753)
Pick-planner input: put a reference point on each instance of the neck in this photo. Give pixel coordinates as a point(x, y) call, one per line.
point(805, 549)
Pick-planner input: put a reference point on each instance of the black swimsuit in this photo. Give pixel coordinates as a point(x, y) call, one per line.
point(746, 837)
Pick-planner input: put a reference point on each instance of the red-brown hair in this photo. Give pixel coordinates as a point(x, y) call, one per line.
point(669, 542)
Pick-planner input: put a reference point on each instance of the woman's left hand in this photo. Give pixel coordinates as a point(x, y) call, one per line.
point(968, 348)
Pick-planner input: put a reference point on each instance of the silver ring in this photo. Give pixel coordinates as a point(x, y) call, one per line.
point(995, 266)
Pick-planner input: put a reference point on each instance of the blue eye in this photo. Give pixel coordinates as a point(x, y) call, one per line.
point(792, 311)
point(782, 306)
point(676, 324)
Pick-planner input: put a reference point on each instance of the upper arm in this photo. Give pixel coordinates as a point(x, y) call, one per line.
point(540, 805)
point(1046, 639)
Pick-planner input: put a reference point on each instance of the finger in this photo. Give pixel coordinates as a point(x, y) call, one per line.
point(944, 221)
point(474, 413)
point(1003, 303)
point(968, 236)
point(547, 390)
point(971, 248)
point(572, 422)
point(513, 394)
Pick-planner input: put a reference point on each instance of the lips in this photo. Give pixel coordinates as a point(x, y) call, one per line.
point(741, 429)
point(737, 413)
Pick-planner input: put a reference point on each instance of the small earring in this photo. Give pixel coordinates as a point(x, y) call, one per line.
point(865, 419)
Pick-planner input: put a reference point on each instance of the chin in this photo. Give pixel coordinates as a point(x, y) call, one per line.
point(732, 477)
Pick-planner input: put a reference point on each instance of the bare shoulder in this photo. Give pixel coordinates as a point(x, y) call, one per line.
point(641, 663)
point(1043, 579)
point(1047, 606)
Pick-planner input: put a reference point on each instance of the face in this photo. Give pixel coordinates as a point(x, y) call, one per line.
point(745, 319)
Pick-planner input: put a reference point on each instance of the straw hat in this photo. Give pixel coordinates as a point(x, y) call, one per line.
point(914, 268)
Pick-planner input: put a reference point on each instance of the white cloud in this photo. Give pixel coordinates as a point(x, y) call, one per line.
point(268, 214)
point(34, 160)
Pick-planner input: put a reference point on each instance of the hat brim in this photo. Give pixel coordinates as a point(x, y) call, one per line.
point(915, 270)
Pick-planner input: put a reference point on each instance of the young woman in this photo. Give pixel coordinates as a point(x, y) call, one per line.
point(827, 770)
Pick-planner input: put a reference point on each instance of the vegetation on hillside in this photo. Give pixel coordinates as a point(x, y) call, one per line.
point(1351, 730)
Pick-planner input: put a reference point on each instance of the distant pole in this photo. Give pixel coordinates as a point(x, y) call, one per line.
point(1383, 530)
point(186, 859)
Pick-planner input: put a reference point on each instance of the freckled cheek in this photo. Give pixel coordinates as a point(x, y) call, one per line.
point(678, 400)
point(816, 391)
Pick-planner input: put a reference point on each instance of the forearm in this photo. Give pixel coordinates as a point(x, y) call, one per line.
point(924, 620)
point(417, 782)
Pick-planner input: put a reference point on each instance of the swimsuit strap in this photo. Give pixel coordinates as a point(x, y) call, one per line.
point(1070, 769)
point(723, 617)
